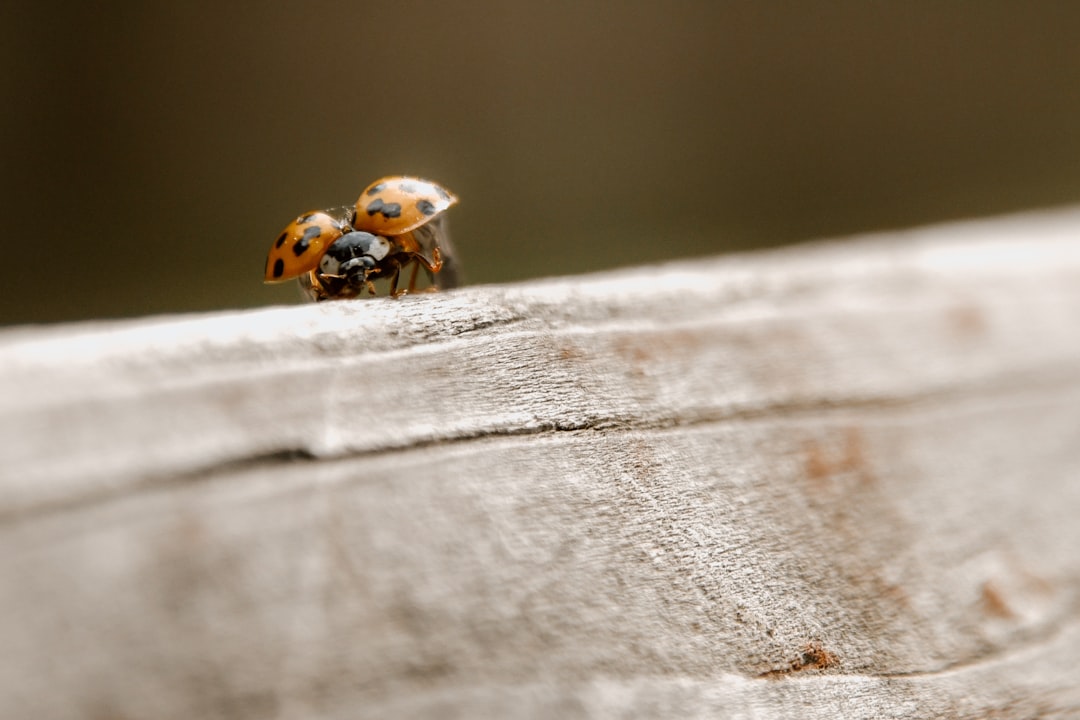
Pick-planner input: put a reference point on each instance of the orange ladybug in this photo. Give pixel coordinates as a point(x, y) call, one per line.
point(299, 247)
point(397, 222)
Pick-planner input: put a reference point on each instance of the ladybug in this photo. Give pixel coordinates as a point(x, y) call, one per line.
point(397, 222)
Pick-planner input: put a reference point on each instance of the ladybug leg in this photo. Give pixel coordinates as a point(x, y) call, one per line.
point(393, 281)
point(412, 277)
point(433, 287)
point(311, 289)
point(430, 270)
point(446, 264)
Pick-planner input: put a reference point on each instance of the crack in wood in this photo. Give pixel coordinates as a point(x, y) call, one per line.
point(816, 409)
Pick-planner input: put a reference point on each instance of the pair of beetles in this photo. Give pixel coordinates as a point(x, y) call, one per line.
point(396, 225)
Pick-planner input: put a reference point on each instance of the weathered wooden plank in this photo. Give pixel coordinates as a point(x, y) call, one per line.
point(839, 480)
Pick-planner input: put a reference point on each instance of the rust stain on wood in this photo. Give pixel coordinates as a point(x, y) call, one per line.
point(820, 468)
point(812, 656)
point(994, 603)
point(966, 322)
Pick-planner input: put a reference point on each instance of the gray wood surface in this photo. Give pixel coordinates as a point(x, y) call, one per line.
point(839, 480)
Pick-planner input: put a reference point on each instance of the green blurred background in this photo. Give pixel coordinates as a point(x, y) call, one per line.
point(152, 151)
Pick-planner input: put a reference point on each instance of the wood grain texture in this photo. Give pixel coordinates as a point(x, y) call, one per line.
point(840, 480)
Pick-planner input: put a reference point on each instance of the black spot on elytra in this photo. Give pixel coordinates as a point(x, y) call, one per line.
point(305, 218)
point(442, 193)
point(279, 268)
point(389, 210)
point(376, 189)
point(425, 207)
point(281, 240)
point(301, 246)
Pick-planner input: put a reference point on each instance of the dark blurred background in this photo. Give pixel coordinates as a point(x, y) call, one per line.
point(152, 151)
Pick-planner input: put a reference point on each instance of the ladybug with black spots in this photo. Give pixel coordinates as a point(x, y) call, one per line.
point(396, 224)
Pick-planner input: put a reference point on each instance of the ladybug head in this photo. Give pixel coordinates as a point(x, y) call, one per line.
point(353, 256)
